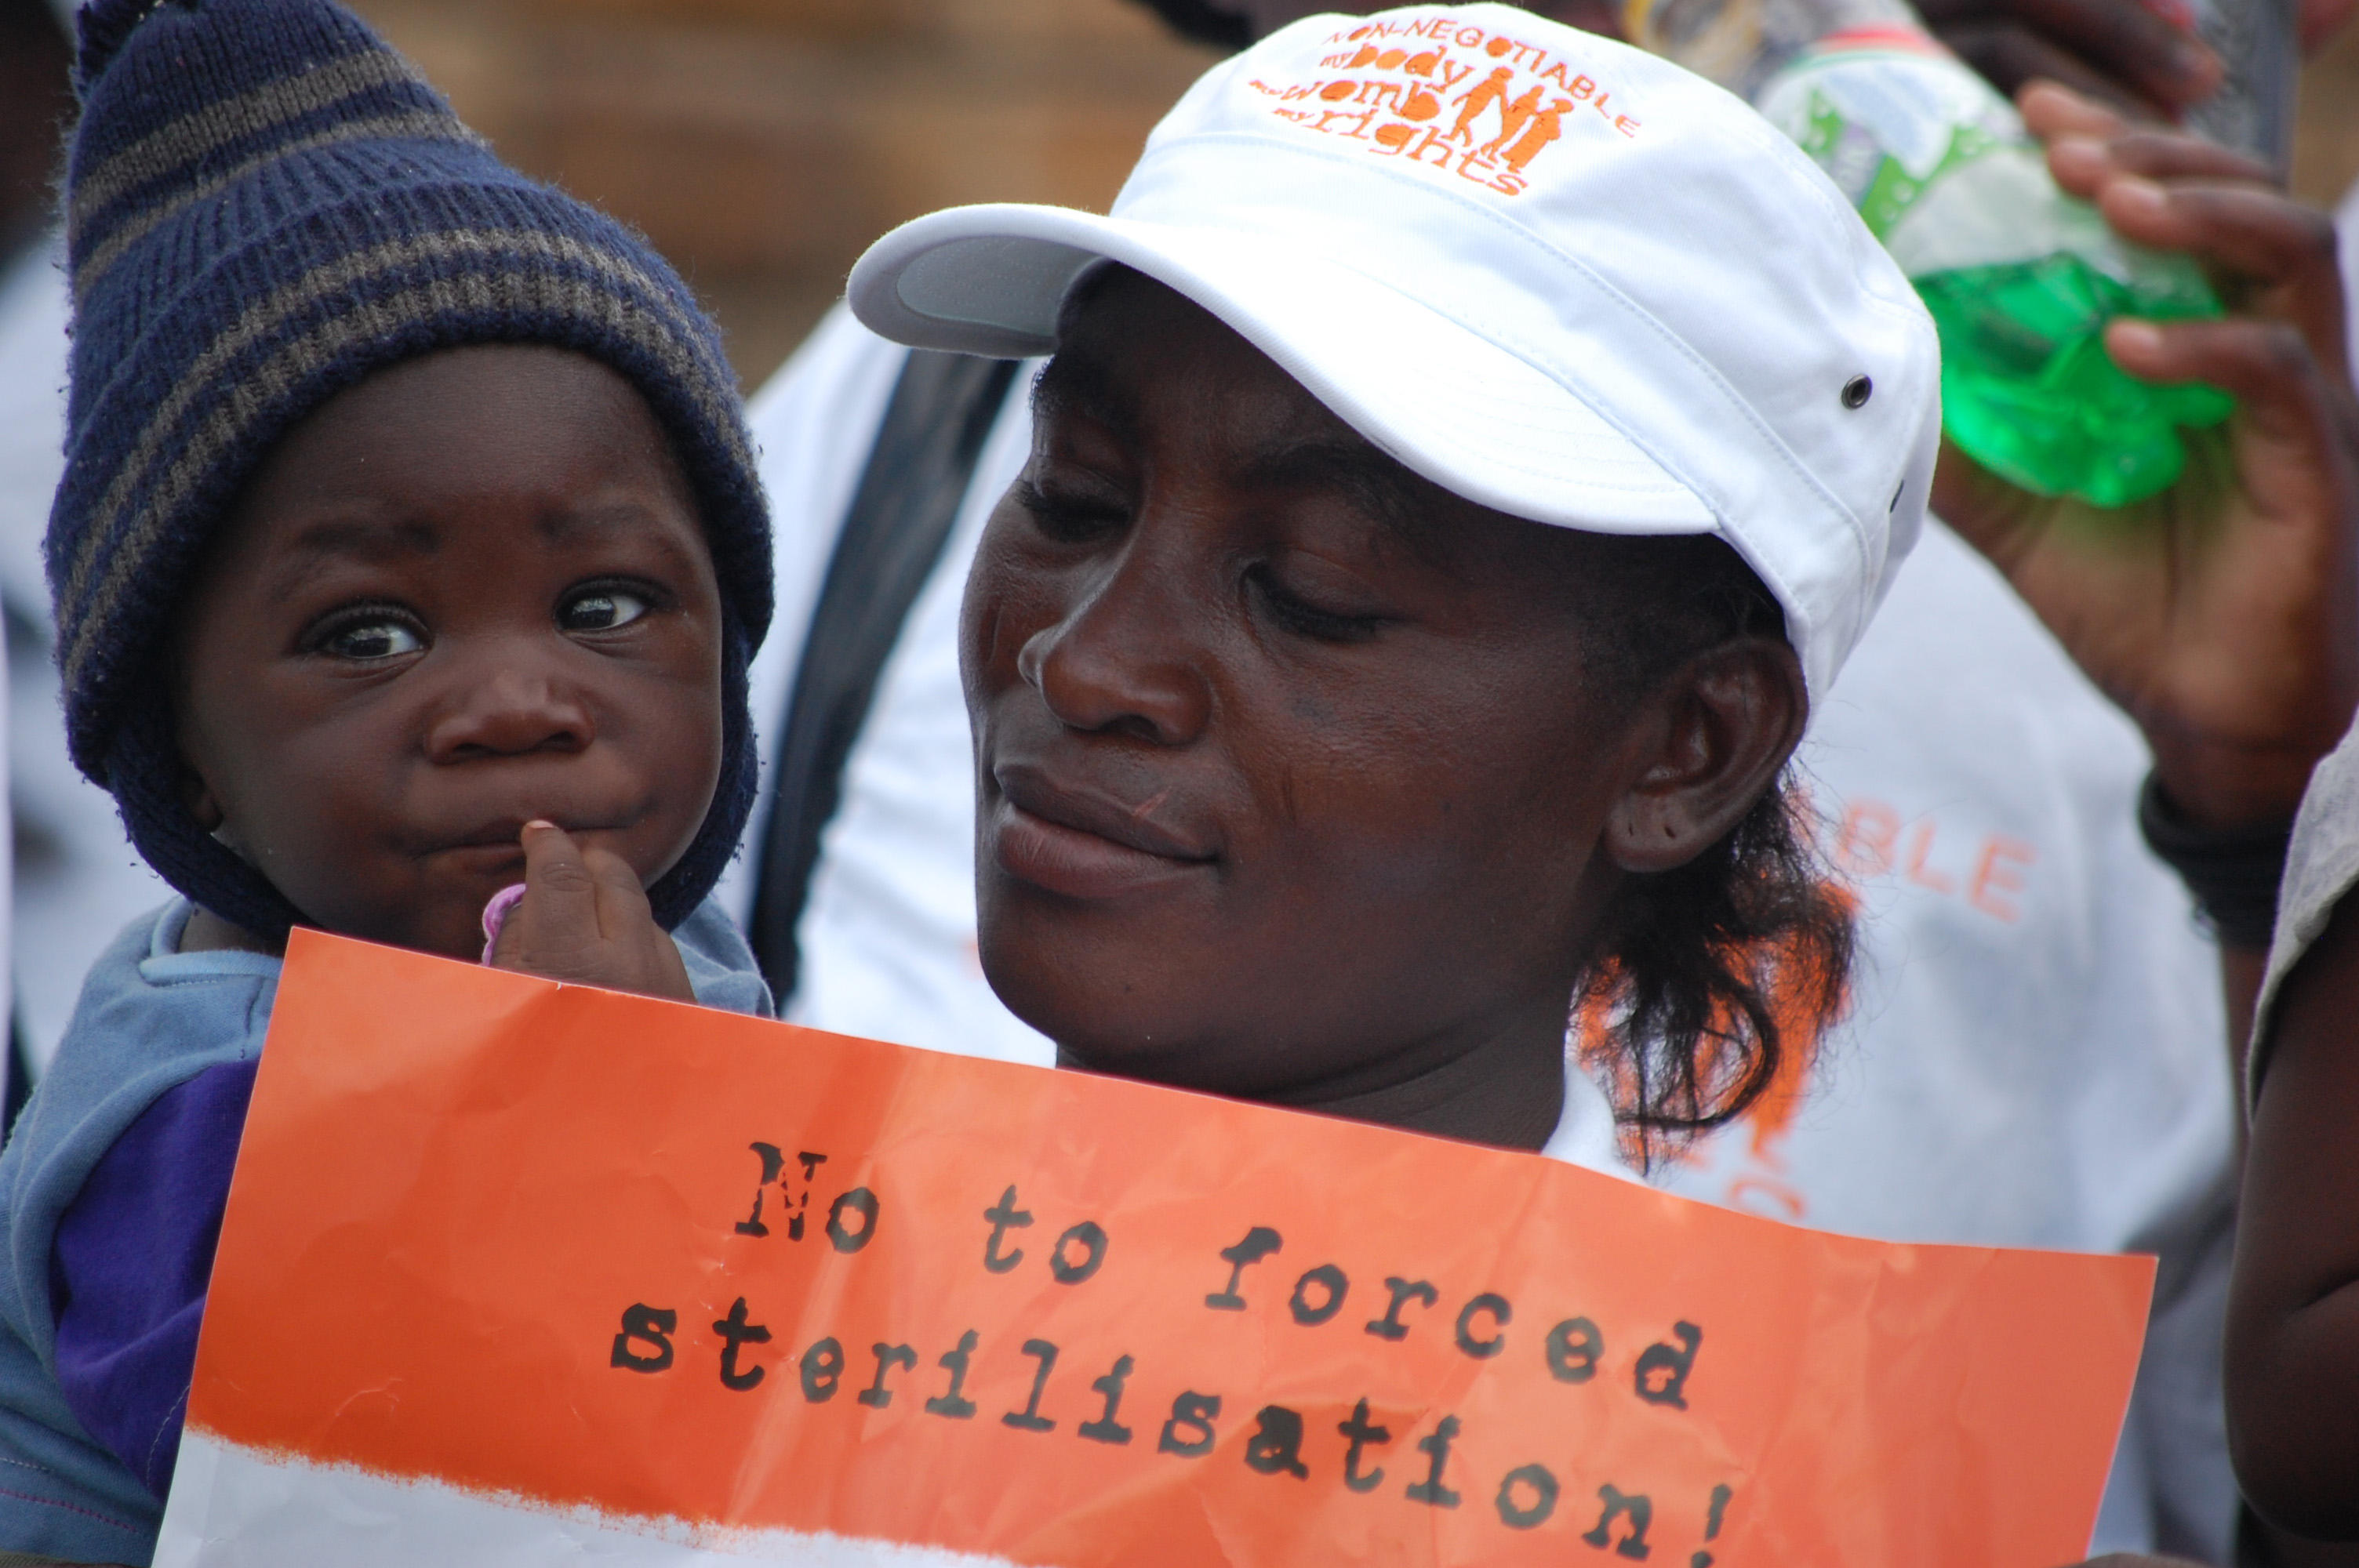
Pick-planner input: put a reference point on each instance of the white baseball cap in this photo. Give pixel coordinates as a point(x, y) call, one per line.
point(1554, 274)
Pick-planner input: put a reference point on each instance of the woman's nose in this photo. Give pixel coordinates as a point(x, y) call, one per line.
point(509, 710)
point(1126, 657)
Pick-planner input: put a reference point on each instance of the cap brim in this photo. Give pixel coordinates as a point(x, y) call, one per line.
point(1447, 403)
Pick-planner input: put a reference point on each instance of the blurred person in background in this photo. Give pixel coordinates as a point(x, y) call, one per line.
point(76, 880)
point(34, 100)
point(2034, 1052)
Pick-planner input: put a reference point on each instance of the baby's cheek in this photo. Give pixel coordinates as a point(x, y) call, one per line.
point(679, 766)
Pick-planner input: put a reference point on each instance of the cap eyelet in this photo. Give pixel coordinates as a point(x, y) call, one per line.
point(1856, 392)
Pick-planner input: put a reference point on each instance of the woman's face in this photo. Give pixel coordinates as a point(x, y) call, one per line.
point(1291, 782)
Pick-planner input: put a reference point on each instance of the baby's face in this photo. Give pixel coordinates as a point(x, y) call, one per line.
point(1290, 780)
point(470, 591)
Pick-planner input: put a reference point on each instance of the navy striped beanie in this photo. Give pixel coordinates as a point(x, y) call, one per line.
point(264, 204)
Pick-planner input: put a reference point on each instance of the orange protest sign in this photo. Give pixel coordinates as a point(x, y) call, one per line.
point(509, 1263)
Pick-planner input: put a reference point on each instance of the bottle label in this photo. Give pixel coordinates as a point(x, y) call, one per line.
point(1888, 114)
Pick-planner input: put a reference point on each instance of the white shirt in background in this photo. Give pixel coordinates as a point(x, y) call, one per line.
point(77, 880)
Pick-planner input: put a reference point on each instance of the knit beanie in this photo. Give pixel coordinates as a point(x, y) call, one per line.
point(264, 204)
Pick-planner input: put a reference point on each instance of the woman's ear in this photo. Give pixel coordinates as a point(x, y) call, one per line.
point(1721, 730)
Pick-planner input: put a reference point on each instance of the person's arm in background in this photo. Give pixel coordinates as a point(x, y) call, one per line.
point(2126, 56)
point(2293, 1316)
point(2223, 617)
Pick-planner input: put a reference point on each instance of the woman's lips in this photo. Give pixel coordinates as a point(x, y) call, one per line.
point(1078, 864)
point(1080, 845)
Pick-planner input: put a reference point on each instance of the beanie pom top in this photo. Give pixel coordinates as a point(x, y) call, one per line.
point(103, 26)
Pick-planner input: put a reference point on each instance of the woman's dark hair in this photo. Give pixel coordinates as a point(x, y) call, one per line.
point(1710, 979)
point(1201, 22)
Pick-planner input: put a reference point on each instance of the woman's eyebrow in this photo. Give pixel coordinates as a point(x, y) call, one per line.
point(1073, 382)
point(1077, 384)
point(1373, 482)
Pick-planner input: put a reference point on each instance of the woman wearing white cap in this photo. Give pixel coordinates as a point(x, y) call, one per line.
point(1432, 544)
point(1430, 549)
point(2036, 1066)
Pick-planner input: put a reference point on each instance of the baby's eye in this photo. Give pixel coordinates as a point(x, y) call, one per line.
point(381, 638)
point(601, 609)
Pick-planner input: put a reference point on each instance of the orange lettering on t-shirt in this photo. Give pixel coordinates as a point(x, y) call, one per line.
point(1762, 1195)
point(1863, 843)
point(1920, 844)
point(1995, 868)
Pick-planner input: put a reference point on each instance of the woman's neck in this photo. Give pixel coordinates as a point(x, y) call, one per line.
point(1508, 1092)
point(1504, 1089)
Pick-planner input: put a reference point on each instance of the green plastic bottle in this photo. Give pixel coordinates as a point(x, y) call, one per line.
point(2020, 278)
point(2029, 393)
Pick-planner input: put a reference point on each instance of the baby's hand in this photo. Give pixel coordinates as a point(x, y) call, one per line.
point(585, 918)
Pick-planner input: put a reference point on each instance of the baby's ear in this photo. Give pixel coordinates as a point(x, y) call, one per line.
point(1720, 731)
point(198, 796)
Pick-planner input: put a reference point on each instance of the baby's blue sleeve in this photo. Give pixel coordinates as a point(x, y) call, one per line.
point(132, 1092)
point(129, 1265)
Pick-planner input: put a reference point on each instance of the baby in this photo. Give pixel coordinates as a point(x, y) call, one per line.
point(408, 550)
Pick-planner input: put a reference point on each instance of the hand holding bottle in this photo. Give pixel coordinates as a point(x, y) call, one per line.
point(2224, 614)
point(2020, 277)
